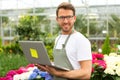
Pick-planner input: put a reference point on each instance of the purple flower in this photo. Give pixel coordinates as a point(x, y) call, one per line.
point(37, 72)
point(48, 77)
point(33, 76)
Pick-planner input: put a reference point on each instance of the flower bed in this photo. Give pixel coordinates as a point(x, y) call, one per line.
point(105, 67)
point(27, 73)
point(113, 65)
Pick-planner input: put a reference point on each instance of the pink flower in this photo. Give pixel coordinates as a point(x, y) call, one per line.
point(9, 78)
point(97, 56)
point(98, 62)
point(30, 65)
point(19, 71)
point(100, 56)
point(2, 78)
point(101, 63)
point(11, 73)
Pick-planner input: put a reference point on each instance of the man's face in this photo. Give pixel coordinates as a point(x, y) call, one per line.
point(66, 20)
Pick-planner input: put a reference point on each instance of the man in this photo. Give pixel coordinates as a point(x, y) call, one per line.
point(72, 50)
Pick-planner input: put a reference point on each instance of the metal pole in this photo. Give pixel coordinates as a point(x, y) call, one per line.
point(88, 22)
point(1, 26)
point(87, 16)
point(33, 7)
point(107, 17)
point(1, 29)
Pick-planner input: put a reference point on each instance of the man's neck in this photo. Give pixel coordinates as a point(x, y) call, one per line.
point(67, 33)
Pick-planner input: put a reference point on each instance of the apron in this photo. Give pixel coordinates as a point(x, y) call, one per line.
point(61, 59)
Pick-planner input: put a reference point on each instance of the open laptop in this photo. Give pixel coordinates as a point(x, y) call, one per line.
point(36, 53)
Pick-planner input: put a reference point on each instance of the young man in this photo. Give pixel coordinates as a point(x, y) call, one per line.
point(72, 50)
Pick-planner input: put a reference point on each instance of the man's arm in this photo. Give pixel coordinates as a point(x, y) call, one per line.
point(83, 73)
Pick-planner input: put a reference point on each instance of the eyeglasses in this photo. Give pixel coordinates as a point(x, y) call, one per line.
point(63, 17)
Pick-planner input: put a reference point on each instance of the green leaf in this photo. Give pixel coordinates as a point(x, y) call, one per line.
point(117, 78)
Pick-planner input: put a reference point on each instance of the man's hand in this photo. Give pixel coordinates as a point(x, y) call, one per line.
point(49, 69)
point(41, 67)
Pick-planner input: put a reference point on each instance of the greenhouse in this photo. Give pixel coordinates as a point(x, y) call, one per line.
point(36, 20)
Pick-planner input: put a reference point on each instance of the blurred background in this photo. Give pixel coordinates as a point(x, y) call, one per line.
point(98, 20)
point(95, 18)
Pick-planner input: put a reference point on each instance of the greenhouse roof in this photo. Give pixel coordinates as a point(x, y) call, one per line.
point(23, 4)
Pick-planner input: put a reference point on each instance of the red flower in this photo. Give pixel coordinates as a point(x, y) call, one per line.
point(11, 73)
point(98, 62)
point(97, 56)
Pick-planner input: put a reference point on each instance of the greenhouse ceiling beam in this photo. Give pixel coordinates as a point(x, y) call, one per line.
point(31, 14)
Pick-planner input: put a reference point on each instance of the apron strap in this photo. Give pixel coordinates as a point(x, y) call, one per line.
point(67, 39)
point(63, 46)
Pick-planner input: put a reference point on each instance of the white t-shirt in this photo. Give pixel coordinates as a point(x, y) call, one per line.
point(78, 48)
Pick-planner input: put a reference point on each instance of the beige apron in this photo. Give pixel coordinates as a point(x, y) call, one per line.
point(61, 59)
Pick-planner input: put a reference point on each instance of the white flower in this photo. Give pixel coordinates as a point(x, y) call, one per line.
point(23, 76)
point(113, 54)
point(38, 77)
point(31, 68)
point(109, 71)
point(118, 71)
point(113, 64)
point(16, 77)
point(113, 67)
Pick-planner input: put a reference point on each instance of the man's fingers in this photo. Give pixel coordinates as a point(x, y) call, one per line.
point(41, 67)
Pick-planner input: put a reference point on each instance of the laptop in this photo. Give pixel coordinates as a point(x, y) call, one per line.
point(36, 53)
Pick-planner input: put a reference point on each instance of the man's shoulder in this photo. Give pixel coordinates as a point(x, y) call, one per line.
point(79, 35)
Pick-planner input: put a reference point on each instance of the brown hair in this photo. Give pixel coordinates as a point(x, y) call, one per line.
point(65, 5)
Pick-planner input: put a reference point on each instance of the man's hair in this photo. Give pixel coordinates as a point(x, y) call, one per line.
point(67, 6)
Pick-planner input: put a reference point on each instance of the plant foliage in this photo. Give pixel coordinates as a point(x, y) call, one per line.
point(106, 46)
point(27, 28)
